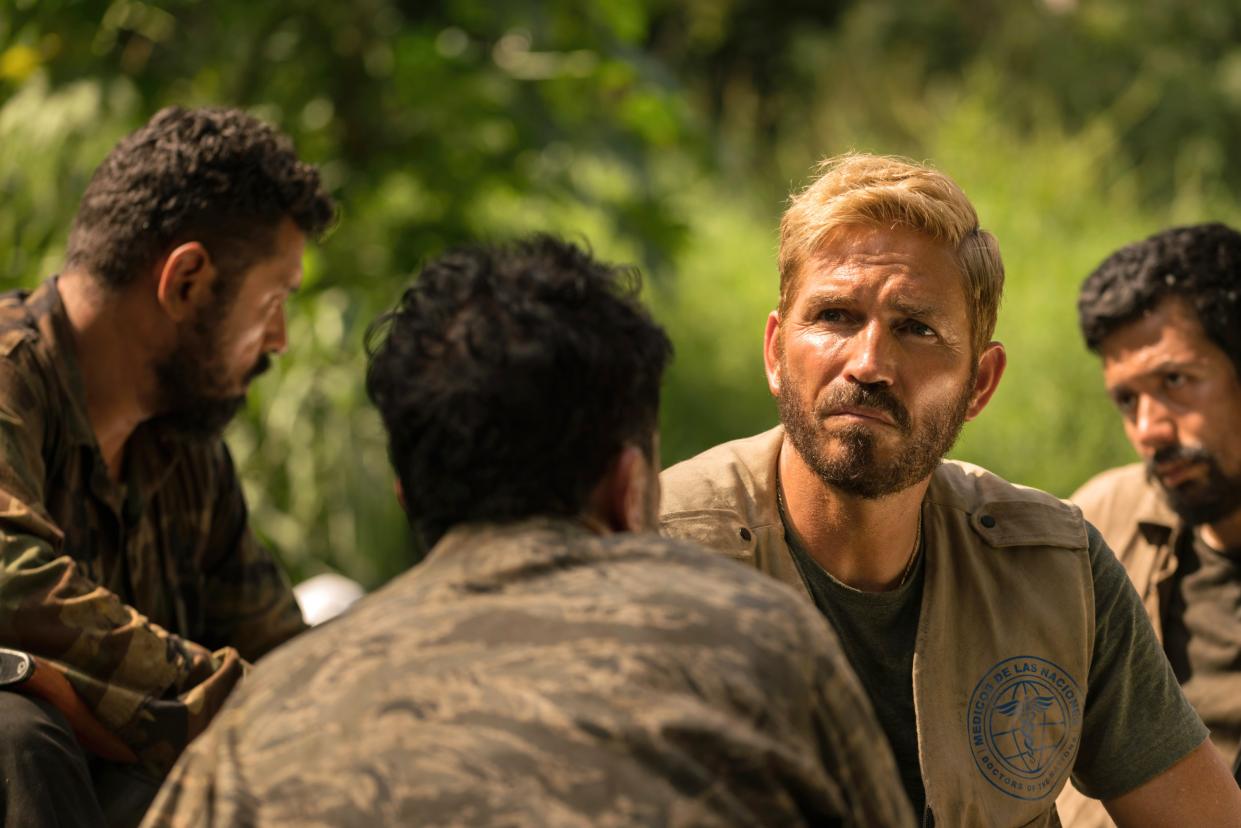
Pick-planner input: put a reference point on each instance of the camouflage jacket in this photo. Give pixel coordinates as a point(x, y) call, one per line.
point(539, 675)
point(147, 595)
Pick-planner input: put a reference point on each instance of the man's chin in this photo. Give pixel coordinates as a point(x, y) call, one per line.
point(203, 419)
point(1198, 503)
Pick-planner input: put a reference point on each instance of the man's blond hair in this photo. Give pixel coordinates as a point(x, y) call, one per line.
point(884, 191)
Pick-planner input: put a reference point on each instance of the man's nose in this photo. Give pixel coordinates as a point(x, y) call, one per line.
point(1153, 424)
point(277, 337)
point(870, 357)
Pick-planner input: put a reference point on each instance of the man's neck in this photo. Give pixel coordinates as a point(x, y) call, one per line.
point(114, 368)
point(866, 544)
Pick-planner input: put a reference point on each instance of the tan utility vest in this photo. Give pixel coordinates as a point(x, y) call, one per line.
point(1005, 635)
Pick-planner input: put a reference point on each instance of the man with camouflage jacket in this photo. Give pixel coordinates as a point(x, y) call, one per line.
point(547, 664)
point(126, 564)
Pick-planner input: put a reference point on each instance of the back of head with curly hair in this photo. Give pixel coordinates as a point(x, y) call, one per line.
point(509, 378)
point(1199, 264)
point(213, 175)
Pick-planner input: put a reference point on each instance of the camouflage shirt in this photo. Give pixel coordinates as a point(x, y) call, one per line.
point(147, 594)
point(536, 674)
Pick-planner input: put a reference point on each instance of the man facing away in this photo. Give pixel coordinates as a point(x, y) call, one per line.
point(552, 662)
point(126, 564)
point(995, 633)
point(1165, 316)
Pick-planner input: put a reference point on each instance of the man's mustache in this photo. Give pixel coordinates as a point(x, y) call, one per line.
point(873, 396)
point(1177, 454)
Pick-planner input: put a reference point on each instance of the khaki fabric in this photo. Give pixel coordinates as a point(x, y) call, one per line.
point(147, 595)
point(536, 674)
point(1141, 528)
point(1003, 650)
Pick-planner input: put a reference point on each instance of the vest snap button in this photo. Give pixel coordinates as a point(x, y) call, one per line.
point(987, 521)
point(745, 534)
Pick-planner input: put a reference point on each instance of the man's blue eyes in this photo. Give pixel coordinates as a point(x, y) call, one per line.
point(910, 326)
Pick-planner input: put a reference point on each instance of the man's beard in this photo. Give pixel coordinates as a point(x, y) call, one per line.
point(854, 467)
point(195, 402)
point(1198, 501)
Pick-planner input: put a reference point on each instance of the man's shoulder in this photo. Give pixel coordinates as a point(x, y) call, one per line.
point(27, 358)
point(1122, 494)
point(19, 320)
point(720, 497)
point(973, 483)
point(1005, 513)
point(726, 476)
point(617, 583)
point(697, 564)
point(647, 566)
point(30, 387)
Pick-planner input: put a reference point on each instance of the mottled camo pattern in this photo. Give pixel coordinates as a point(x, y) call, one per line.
point(538, 675)
point(148, 595)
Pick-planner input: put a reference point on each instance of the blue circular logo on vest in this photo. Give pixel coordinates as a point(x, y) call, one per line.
point(1025, 723)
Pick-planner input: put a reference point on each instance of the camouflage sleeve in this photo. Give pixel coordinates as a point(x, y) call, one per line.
point(249, 602)
point(854, 749)
point(204, 789)
point(153, 689)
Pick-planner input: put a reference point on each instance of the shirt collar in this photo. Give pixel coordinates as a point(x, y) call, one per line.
point(1156, 521)
point(485, 556)
point(48, 310)
point(152, 452)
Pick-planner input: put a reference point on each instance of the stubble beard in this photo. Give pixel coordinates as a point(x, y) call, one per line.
point(195, 403)
point(848, 457)
point(1200, 502)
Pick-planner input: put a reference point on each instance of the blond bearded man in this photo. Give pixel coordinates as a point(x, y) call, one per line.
point(997, 636)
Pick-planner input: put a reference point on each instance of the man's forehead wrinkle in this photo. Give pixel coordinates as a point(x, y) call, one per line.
point(900, 288)
point(1147, 361)
point(909, 305)
point(835, 260)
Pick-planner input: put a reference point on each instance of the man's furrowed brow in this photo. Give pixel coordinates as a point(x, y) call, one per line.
point(918, 309)
point(824, 297)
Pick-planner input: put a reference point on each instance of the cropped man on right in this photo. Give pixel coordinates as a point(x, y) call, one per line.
point(1165, 316)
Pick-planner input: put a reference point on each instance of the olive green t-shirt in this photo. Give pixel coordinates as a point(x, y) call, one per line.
point(1202, 635)
point(1137, 722)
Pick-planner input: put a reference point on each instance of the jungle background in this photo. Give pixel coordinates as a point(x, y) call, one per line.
point(668, 135)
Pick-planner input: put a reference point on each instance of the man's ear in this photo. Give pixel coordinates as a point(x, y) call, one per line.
point(627, 499)
point(399, 490)
point(990, 368)
point(185, 280)
point(771, 352)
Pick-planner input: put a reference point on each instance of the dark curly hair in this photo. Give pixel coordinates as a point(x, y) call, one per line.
point(1200, 264)
point(213, 175)
point(509, 378)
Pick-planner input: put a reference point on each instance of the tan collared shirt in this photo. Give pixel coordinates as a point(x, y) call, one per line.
point(1144, 532)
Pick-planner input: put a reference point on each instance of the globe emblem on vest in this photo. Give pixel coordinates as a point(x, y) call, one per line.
point(1024, 725)
point(1027, 725)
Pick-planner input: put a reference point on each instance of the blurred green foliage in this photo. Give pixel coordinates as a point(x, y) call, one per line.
point(666, 134)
